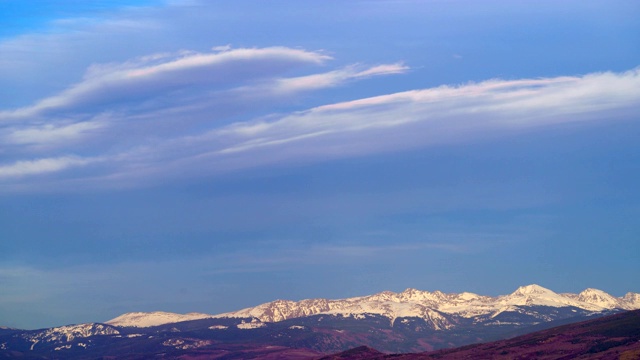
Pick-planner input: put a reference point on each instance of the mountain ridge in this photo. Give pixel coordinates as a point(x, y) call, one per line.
point(434, 307)
point(610, 337)
point(155, 318)
point(406, 322)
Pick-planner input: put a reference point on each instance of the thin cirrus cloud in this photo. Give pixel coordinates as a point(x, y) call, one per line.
point(334, 78)
point(442, 114)
point(40, 166)
point(402, 120)
point(149, 76)
point(50, 133)
point(135, 115)
point(164, 87)
point(125, 111)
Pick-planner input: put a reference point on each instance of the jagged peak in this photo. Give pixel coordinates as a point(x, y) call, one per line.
point(283, 301)
point(412, 291)
point(421, 296)
point(386, 293)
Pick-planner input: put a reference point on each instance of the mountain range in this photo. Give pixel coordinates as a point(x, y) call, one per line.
point(610, 337)
point(409, 321)
point(437, 308)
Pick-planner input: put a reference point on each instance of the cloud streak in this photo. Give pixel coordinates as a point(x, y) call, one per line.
point(182, 113)
point(154, 75)
point(50, 133)
point(334, 78)
point(40, 166)
point(440, 115)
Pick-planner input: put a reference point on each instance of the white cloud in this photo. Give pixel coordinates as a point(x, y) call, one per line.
point(337, 77)
point(138, 113)
point(153, 142)
point(225, 55)
point(385, 69)
point(40, 166)
point(444, 114)
point(50, 133)
point(404, 120)
point(157, 75)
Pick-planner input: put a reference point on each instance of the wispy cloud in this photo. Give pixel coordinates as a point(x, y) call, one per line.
point(141, 79)
point(443, 114)
point(337, 77)
point(179, 114)
point(40, 166)
point(50, 133)
point(138, 112)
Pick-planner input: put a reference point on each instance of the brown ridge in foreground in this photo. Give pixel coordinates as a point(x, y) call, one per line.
point(359, 353)
point(612, 337)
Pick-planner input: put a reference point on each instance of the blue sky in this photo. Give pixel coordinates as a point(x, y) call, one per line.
point(206, 156)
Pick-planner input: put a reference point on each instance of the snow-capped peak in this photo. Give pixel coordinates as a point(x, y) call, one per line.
point(418, 295)
point(632, 300)
point(147, 319)
point(532, 289)
point(67, 333)
point(600, 298)
point(536, 295)
point(437, 308)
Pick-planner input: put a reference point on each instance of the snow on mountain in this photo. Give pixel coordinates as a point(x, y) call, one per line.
point(280, 310)
point(600, 298)
point(144, 319)
point(65, 334)
point(435, 307)
point(537, 295)
point(632, 300)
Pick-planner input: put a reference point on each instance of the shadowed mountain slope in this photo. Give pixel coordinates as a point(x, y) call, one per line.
point(611, 337)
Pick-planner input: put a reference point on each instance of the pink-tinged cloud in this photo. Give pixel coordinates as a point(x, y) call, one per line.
point(334, 78)
point(442, 114)
point(191, 60)
point(107, 86)
point(156, 95)
point(388, 123)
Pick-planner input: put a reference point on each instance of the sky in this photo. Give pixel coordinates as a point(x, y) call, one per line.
point(207, 156)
